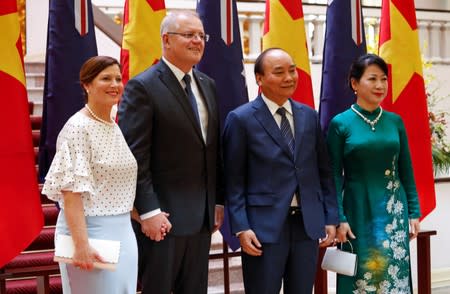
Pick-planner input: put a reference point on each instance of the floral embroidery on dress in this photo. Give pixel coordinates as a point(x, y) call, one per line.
point(393, 255)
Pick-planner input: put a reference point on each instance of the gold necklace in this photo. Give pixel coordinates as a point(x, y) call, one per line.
point(109, 123)
point(372, 123)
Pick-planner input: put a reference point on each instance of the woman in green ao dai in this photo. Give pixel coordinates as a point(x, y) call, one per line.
point(378, 203)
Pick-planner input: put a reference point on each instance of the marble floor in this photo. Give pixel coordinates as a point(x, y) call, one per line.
point(445, 290)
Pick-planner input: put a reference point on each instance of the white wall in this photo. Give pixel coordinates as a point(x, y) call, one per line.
point(438, 220)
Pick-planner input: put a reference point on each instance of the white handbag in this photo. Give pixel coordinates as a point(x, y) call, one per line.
point(341, 262)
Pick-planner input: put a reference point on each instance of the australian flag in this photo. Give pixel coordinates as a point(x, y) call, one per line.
point(223, 62)
point(344, 42)
point(70, 42)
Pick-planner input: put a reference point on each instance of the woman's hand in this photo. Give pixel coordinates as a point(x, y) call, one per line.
point(414, 228)
point(84, 257)
point(344, 231)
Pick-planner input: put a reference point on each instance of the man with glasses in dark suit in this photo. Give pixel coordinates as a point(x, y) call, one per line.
point(169, 117)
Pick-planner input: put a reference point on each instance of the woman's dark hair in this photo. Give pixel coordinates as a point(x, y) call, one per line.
point(92, 67)
point(360, 65)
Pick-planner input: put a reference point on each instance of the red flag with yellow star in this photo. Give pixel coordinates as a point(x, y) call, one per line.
point(284, 27)
point(21, 217)
point(399, 46)
point(141, 43)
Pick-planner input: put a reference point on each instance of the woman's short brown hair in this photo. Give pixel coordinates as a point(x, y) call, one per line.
point(92, 67)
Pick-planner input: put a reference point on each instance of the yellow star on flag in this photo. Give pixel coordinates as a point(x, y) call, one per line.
point(141, 36)
point(11, 61)
point(402, 52)
point(287, 33)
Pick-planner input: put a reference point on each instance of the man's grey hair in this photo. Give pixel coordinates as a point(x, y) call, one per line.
point(169, 23)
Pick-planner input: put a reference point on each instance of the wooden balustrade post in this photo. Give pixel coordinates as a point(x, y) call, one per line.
point(43, 284)
point(226, 268)
point(424, 261)
point(321, 282)
point(2, 286)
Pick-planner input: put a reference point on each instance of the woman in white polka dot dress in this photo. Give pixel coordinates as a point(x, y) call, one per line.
point(93, 177)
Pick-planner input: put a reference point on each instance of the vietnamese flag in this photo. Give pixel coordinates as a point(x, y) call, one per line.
point(399, 46)
point(21, 217)
point(141, 43)
point(284, 27)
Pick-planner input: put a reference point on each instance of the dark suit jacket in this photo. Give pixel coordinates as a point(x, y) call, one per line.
point(177, 171)
point(262, 174)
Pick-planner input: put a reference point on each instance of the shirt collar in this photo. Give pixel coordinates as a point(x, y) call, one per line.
point(179, 74)
point(273, 107)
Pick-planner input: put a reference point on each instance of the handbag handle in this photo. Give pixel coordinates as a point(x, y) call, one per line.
point(351, 246)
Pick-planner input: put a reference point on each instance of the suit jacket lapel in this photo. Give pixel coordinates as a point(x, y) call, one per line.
point(299, 125)
point(171, 82)
point(265, 118)
point(208, 97)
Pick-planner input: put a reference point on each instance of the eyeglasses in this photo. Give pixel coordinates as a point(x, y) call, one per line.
point(190, 36)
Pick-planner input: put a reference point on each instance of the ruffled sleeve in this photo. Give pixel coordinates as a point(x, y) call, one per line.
point(71, 168)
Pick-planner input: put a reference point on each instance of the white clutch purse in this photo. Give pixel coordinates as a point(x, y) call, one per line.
point(341, 262)
point(108, 249)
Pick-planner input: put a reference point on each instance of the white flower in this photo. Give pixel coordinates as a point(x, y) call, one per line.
point(362, 286)
point(368, 276)
point(393, 245)
point(393, 270)
point(399, 252)
point(398, 207)
point(386, 244)
point(400, 236)
point(402, 283)
point(384, 287)
point(390, 185)
point(371, 288)
point(387, 172)
point(394, 224)
point(388, 228)
point(390, 204)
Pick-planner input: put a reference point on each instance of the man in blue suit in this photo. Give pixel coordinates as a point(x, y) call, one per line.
point(279, 190)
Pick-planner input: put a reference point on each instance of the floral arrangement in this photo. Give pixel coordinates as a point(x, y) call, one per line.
point(438, 125)
point(438, 122)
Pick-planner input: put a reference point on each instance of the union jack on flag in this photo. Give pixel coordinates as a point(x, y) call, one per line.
point(81, 16)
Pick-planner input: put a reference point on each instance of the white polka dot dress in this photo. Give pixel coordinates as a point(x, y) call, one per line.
point(93, 159)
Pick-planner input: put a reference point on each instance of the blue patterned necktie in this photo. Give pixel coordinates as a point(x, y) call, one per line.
point(190, 94)
point(286, 129)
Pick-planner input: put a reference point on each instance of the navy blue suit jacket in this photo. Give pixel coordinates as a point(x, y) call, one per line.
point(262, 175)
